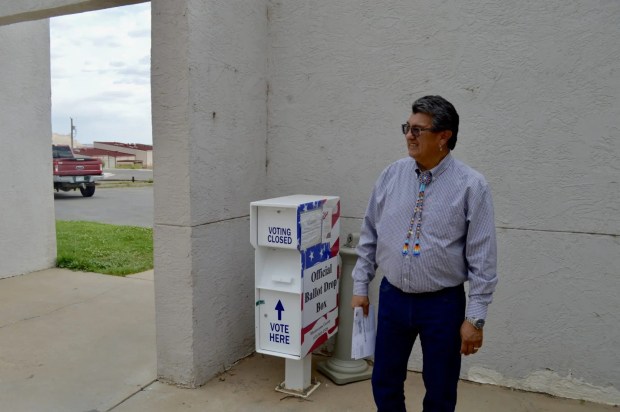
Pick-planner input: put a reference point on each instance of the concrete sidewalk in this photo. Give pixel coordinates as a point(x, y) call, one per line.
point(72, 341)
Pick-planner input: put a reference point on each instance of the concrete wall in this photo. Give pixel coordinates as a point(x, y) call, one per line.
point(148, 159)
point(27, 223)
point(108, 161)
point(209, 68)
point(537, 86)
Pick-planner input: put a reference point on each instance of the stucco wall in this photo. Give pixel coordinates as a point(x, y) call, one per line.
point(27, 225)
point(209, 86)
point(537, 86)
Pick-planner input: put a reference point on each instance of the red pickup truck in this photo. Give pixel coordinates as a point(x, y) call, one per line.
point(72, 172)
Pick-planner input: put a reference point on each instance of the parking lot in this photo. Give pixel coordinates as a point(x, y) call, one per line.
point(130, 206)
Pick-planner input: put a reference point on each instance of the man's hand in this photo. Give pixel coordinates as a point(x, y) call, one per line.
point(361, 301)
point(471, 339)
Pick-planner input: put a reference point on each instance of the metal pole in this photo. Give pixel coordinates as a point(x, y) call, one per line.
point(297, 373)
point(72, 129)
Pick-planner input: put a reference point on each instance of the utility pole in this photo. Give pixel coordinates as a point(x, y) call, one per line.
point(72, 131)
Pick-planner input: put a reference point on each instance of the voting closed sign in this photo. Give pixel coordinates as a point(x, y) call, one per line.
point(296, 240)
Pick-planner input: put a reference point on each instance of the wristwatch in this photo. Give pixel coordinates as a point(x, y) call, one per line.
point(478, 323)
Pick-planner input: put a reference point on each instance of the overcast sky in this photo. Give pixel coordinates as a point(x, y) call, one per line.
point(100, 63)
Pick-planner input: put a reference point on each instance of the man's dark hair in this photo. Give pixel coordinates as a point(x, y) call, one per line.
point(443, 113)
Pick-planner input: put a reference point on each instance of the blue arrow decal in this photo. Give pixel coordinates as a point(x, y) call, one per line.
point(280, 309)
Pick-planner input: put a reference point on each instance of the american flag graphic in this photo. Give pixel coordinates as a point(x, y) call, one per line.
point(316, 331)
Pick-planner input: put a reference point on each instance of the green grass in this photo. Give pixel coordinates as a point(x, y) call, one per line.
point(103, 248)
point(124, 183)
point(129, 166)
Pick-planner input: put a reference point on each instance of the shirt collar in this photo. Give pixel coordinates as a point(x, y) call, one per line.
point(439, 169)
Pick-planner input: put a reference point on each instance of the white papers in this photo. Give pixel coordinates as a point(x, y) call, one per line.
point(363, 339)
point(310, 223)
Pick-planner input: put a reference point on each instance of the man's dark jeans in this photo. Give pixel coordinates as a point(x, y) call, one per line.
point(437, 317)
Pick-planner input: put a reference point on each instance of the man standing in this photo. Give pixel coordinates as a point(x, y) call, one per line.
point(429, 227)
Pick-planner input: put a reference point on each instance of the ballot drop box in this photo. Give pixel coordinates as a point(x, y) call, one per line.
point(296, 242)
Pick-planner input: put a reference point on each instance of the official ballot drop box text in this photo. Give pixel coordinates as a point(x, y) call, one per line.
point(296, 242)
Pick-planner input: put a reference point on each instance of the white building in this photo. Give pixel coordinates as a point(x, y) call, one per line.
point(110, 158)
point(142, 153)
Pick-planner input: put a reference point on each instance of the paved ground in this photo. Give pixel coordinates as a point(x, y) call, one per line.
point(131, 206)
point(249, 386)
point(73, 341)
point(77, 342)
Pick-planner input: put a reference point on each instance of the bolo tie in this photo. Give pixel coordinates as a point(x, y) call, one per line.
point(424, 178)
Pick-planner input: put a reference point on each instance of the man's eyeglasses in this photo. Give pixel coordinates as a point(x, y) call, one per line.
point(415, 131)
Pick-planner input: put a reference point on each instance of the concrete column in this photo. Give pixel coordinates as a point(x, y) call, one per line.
point(209, 92)
point(27, 225)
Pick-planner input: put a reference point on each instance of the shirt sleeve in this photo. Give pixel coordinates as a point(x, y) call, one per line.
point(365, 267)
point(481, 252)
